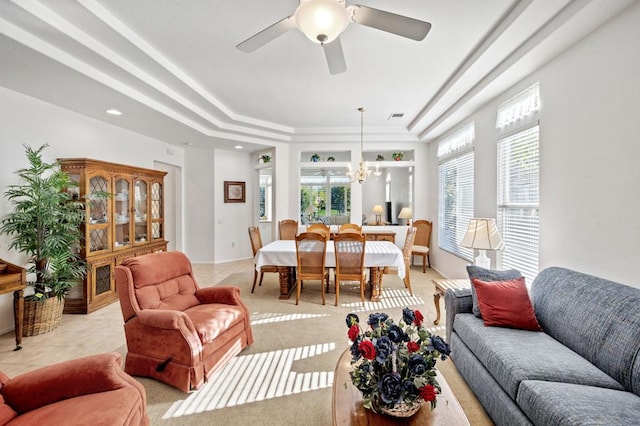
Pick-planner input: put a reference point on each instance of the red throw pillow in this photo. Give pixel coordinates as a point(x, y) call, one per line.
point(506, 304)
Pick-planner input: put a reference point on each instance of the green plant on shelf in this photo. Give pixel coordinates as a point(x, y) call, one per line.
point(397, 156)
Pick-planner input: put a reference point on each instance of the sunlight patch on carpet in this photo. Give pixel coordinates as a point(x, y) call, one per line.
point(271, 317)
point(265, 375)
point(390, 298)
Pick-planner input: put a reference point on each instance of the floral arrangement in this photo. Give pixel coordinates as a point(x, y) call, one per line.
point(394, 364)
point(397, 156)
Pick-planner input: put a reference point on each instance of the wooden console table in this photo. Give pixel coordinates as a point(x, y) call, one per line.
point(442, 286)
point(14, 279)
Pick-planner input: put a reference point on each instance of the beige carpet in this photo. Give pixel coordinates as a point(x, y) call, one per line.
point(285, 378)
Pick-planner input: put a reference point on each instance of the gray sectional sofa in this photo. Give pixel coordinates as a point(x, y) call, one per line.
point(583, 369)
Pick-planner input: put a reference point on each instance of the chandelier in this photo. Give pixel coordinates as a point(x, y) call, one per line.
point(363, 171)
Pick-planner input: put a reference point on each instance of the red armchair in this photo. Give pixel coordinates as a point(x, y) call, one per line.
point(177, 332)
point(86, 391)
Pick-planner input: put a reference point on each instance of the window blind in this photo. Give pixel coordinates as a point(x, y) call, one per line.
point(518, 201)
point(455, 203)
point(457, 142)
point(515, 110)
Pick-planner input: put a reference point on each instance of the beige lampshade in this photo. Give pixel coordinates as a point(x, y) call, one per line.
point(405, 213)
point(482, 234)
point(377, 209)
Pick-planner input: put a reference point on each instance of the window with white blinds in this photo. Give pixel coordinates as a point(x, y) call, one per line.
point(457, 142)
point(455, 203)
point(518, 109)
point(518, 201)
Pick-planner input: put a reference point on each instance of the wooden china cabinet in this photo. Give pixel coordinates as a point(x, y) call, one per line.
point(124, 218)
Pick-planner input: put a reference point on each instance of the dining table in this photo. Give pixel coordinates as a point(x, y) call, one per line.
point(378, 257)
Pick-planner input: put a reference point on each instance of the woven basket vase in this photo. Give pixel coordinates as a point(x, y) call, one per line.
point(42, 317)
point(404, 409)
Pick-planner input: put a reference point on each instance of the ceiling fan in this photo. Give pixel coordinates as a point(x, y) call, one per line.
point(322, 21)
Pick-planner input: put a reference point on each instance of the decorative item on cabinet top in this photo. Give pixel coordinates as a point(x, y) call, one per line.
point(127, 224)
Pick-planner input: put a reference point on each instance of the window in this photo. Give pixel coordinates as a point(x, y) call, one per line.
point(266, 196)
point(518, 188)
point(456, 183)
point(324, 195)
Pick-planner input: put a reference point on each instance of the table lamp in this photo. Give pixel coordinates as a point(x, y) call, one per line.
point(378, 210)
point(483, 235)
point(406, 213)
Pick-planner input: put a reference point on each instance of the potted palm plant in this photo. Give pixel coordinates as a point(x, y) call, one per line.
point(45, 226)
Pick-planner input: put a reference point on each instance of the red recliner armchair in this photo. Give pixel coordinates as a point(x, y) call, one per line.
point(177, 332)
point(86, 391)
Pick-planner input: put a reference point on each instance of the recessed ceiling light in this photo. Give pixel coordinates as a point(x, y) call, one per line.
point(239, 147)
point(187, 143)
point(113, 112)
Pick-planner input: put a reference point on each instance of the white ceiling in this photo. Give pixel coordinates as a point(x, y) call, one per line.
point(172, 68)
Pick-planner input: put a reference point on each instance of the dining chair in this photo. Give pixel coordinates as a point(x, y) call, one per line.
point(350, 227)
point(256, 244)
point(349, 252)
point(320, 228)
point(406, 253)
point(311, 252)
point(288, 229)
point(422, 242)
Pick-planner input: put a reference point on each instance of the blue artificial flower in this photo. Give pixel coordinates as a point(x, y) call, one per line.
point(409, 387)
point(441, 346)
point(390, 388)
point(417, 365)
point(408, 316)
point(384, 347)
point(352, 319)
point(376, 319)
point(397, 334)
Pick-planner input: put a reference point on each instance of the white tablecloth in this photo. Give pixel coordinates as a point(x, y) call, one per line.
point(376, 253)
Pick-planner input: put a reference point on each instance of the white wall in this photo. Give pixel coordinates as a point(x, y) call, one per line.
point(26, 120)
point(233, 219)
point(589, 150)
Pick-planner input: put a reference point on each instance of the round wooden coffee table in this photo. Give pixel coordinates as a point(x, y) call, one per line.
point(348, 409)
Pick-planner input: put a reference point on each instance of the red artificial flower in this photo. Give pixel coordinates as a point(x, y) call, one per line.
point(413, 347)
point(367, 349)
point(428, 392)
point(419, 317)
point(354, 330)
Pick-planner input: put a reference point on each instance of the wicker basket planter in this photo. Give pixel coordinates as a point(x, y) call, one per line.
point(42, 317)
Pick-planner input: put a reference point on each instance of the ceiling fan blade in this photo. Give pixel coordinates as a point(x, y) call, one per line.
point(335, 56)
point(268, 34)
point(389, 22)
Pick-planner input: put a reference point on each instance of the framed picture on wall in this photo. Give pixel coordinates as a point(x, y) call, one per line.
point(233, 192)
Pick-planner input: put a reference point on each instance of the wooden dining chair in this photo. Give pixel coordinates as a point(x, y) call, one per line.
point(349, 251)
point(406, 253)
point(320, 228)
point(311, 252)
point(350, 227)
point(256, 244)
point(288, 229)
point(422, 242)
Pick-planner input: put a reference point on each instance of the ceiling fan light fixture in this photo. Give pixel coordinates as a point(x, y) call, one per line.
point(322, 21)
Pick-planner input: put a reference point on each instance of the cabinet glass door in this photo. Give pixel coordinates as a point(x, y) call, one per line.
point(122, 207)
point(98, 214)
point(140, 211)
point(157, 220)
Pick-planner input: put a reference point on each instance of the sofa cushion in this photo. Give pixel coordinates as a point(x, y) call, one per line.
point(6, 413)
point(117, 407)
point(212, 319)
point(546, 403)
point(512, 356)
point(506, 304)
point(599, 319)
point(488, 275)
